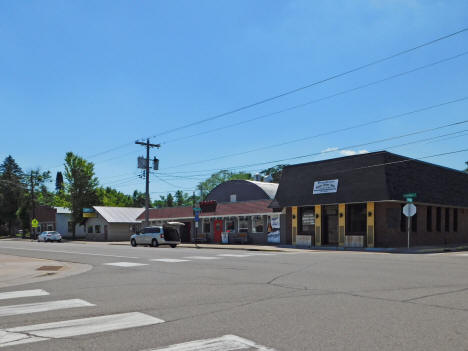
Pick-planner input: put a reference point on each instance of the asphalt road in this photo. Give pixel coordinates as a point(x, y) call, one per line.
point(327, 300)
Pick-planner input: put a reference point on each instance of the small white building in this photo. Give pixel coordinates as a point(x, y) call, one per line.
point(64, 225)
point(113, 223)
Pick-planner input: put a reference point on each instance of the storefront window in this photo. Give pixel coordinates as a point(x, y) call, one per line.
point(243, 224)
point(206, 226)
point(230, 224)
point(307, 220)
point(257, 224)
point(70, 227)
point(356, 219)
point(90, 229)
point(97, 229)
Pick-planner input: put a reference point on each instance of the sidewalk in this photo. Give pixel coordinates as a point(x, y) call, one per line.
point(16, 270)
point(291, 248)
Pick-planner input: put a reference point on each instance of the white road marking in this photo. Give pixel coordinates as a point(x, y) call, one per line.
point(66, 252)
point(262, 254)
point(22, 293)
point(235, 255)
point(169, 260)
point(74, 327)
point(42, 307)
point(203, 258)
point(126, 264)
point(223, 343)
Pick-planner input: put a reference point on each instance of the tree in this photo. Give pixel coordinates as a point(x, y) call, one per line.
point(466, 170)
point(170, 200)
point(112, 197)
point(219, 177)
point(275, 172)
point(36, 194)
point(138, 199)
point(183, 199)
point(81, 186)
point(12, 191)
point(59, 182)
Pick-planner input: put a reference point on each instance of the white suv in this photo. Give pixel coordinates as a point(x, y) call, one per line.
point(159, 235)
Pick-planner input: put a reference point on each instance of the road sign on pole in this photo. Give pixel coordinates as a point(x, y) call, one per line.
point(409, 210)
point(34, 223)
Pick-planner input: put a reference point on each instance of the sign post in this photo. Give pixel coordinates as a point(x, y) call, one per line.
point(409, 210)
point(196, 211)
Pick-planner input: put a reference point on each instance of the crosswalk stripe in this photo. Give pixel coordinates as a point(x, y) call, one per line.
point(75, 327)
point(224, 343)
point(125, 264)
point(22, 293)
point(169, 260)
point(13, 310)
point(202, 257)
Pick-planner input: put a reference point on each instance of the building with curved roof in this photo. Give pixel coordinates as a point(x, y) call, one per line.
point(242, 190)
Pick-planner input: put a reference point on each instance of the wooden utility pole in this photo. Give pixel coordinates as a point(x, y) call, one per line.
point(147, 171)
point(33, 204)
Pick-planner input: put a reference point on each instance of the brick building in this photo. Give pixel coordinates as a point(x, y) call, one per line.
point(357, 201)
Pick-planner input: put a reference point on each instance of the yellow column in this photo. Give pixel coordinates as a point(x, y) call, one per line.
point(341, 224)
point(294, 224)
point(318, 225)
point(370, 224)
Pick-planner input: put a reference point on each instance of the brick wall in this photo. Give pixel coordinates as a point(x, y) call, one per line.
point(388, 227)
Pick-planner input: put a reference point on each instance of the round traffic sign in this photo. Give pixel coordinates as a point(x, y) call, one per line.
point(409, 210)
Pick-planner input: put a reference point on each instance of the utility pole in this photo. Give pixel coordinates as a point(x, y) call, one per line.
point(33, 202)
point(147, 171)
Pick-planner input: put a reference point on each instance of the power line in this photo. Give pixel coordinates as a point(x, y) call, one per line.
point(310, 102)
point(336, 149)
point(422, 109)
point(292, 91)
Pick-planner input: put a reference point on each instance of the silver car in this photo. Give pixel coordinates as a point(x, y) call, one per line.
point(49, 236)
point(158, 235)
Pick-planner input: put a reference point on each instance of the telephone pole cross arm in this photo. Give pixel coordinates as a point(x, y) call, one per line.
point(148, 146)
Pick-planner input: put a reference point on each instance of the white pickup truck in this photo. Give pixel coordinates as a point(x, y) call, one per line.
point(167, 234)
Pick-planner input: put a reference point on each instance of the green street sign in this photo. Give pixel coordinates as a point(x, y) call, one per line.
point(34, 223)
point(409, 196)
point(197, 209)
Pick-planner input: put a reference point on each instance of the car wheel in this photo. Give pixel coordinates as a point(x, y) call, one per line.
point(133, 242)
point(173, 246)
point(154, 243)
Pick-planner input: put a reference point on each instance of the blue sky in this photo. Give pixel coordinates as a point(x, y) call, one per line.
point(88, 76)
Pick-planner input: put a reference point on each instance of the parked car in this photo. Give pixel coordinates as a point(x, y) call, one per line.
point(159, 235)
point(49, 236)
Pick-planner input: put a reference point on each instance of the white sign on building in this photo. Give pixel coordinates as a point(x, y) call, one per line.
point(325, 186)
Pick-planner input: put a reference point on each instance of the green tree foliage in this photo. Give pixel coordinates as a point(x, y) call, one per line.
point(183, 199)
point(12, 192)
point(138, 199)
point(275, 172)
point(81, 186)
point(59, 182)
point(112, 197)
point(170, 200)
point(219, 177)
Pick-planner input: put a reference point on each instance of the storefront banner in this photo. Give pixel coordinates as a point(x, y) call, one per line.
point(325, 186)
point(225, 238)
point(275, 222)
point(274, 237)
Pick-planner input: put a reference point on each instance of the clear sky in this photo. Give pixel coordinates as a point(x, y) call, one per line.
point(89, 76)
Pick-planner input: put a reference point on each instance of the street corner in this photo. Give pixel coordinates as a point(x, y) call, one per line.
point(18, 270)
